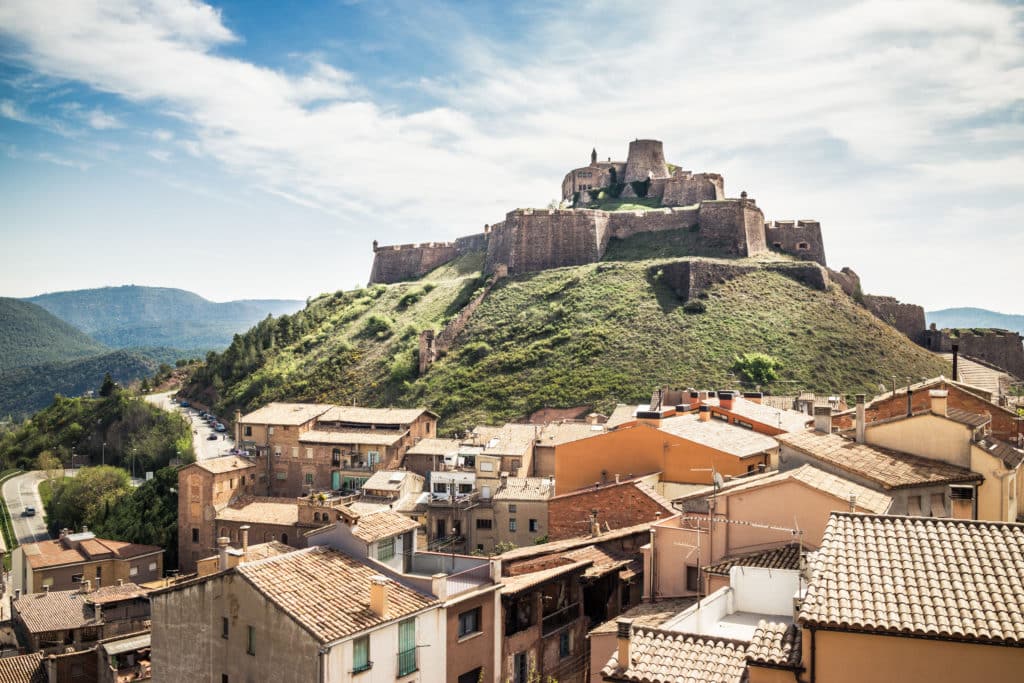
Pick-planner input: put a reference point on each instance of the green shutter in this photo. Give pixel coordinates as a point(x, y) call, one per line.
point(361, 654)
point(406, 647)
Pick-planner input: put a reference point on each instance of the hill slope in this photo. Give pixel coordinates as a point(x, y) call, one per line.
point(975, 317)
point(589, 335)
point(30, 335)
point(132, 316)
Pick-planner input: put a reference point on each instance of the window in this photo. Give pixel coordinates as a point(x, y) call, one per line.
point(465, 488)
point(77, 578)
point(372, 458)
point(692, 579)
point(247, 430)
point(740, 423)
point(472, 676)
point(515, 464)
point(486, 466)
point(428, 427)
point(152, 568)
point(512, 524)
point(534, 525)
point(914, 506)
point(250, 642)
point(386, 549)
point(295, 452)
point(281, 475)
point(519, 668)
point(440, 487)
point(223, 678)
point(133, 571)
point(565, 644)
point(938, 505)
point(224, 627)
point(99, 572)
point(512, 508)
point(361, 654)
point(195, 535)
point(803, 245)
point(48, 582)
point(469, 622)
point(336, 457)
point(309, 478)
point(277, 451)
point(284, 539)
point(406, 647)
point(309, 453)
point(483, 524)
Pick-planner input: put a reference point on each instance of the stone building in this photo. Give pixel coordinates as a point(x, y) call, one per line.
point(203, 487)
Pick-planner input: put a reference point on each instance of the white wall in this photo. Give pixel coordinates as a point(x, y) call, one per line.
point(764, 591)
point(430, 656)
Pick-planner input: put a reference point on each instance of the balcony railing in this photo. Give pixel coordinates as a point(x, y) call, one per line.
point(463, 500)
point(556, 620)
point(469, 579)
point(406, 662)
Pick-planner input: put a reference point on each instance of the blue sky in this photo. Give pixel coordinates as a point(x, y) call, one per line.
point(255, 149)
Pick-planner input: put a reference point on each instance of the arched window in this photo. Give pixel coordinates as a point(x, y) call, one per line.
point(316, 516)
point(223, 531)
point(284, 539)
point(803, 245)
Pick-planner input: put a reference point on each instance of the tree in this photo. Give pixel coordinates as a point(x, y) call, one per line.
point(147, 515)
point(51, 464)
point(81, 499)
point(757, 368)
point(108, 386)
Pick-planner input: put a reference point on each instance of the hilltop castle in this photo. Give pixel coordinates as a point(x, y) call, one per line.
point(536, 239)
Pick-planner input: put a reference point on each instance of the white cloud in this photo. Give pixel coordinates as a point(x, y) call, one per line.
point(886, 95)
point(161, 155)
point(163, 135)
point(100, 120)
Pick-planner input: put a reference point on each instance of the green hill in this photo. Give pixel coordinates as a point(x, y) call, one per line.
point(29, 335)
point(26, 390)
point(589, 335)
point(132, 316)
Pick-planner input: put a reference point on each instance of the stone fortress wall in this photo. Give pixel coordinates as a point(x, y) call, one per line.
point(1002, 348)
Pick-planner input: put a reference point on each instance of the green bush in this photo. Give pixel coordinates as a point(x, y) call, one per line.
point(693, 307)
point(378, 327)
point(757, 368)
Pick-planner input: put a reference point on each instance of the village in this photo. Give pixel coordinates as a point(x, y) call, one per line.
point(706, 535)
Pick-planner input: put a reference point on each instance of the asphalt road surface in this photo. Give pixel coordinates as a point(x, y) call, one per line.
point(204, 447)
point(20, 492)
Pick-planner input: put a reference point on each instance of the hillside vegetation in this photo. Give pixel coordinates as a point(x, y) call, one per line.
point(590, 335)
point(30, 335)
point(133, 316)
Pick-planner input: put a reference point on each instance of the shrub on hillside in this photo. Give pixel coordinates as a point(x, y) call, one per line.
point(757, 368)
point(378, 327)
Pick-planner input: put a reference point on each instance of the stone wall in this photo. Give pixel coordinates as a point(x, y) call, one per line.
point(619, 505)
point(735, 224)
point(395, 263)
point(623, 224)
point(537, 239)
point(688, 279)
point(848, 281)
point(907, 318)
point(1001, 348)
point(686, 188)
point(799, 238)
point(432, 346)
point(646, 159)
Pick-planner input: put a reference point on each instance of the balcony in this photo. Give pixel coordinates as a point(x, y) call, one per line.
point(563, 617)
point(455, 500)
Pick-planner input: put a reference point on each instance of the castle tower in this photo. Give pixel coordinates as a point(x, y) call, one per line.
point(646, 159)
point(593, 157)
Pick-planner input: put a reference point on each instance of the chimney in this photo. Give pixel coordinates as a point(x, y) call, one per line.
point(245, 540)
point(379, 595)
point(85, 528)
point(595, 526)
point(910, 401)
point(823, 419)
point(938, 398)
point(617, 478)
point(85, 587)
point(853, 502)
point(861, 417)
point(754, 396)
point(624, 631)
point(704, 414)
point(956, 362)
point(725, 399)
point(120, 582)
point(222, 553)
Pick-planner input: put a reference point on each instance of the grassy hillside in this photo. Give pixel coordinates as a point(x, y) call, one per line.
point(589, 335)
point(975, 317)
point(29, 335)
point(26, 390)
point(132, 316)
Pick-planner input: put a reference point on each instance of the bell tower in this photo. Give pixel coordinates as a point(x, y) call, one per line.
point(593, 157)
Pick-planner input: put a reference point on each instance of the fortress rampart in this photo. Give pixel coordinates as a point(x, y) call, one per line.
point(1002, 348)
point(907, 318)
point(798, 238)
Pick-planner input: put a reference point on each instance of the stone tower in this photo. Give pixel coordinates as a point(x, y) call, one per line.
point(593, 157)
point(646, 160)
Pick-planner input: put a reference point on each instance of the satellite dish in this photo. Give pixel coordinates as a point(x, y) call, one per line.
point(718, 480)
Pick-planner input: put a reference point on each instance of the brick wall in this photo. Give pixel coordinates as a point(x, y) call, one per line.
point(617, 505)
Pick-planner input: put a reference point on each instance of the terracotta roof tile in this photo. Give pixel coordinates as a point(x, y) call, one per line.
point(362, 437)
point(650, 614)
point(357, 414)
point(434, 447)
point(512, 585)
point(279, 511)
point(225, 464)
point(56, 553)
point(510, 439)
point(947, 578)
point(623, 414)
point(23, 669)
point(568, 544)
point(718, 435)
point(888, 468)
point(54, 611)
point(1011, 457)
point(525, 488)
point(116, 593)
point(285, 413)
point(389, 480)
point(557, 433)
point(659, 656)
point(328, 592)
point(783, 557)
point(383, 524)
point(775, 643)
point(787, 420)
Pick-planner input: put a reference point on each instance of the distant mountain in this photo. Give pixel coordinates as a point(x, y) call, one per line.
point(30, 335)
point(25, 390)
point(132, 316)
point(975, 317)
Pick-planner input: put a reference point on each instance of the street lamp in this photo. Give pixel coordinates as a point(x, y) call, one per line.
point(104, 461)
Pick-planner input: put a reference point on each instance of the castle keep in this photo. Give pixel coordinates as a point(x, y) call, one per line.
point(536, 239)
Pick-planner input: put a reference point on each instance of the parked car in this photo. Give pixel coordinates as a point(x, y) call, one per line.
point(219, 427)
point(28, 512)
point(184, 404)
point(211, 437)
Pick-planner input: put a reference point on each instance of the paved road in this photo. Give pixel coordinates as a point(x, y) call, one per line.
point(204, 447)
point(20, 492)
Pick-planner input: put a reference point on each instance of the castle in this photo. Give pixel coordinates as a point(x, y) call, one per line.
point(537, 239)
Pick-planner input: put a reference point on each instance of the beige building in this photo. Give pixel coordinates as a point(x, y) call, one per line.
point(310, 615)
point(930, 600)
point(74, 558)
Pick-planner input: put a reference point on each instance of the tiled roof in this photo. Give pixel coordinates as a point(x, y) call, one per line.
point(23, 669)
point(116, 593)
point(1010, 456)
point(567, 544)
point(412, 502)
point(650, 614)
point(717, 435)
point(623, 414)
point(512, 585)
point(641, 486)
point(510, 439)
point(525, 488)
point(783, 557)
point(383, 524)
point(361, 437)
point(670, 657)
point(54, 611)
point(260, 551)
point(834, 485)
point(279, 511)
point(557, 433)
point(56, 553)
point(776, 644)
point(947, 578)
point(786, 420)
point(285, 413)
point(360, 415)
point(890, 469)
point(328, 592)
point(388, 480)
point(225, 464)
point(434, 447)
point(604, 560)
